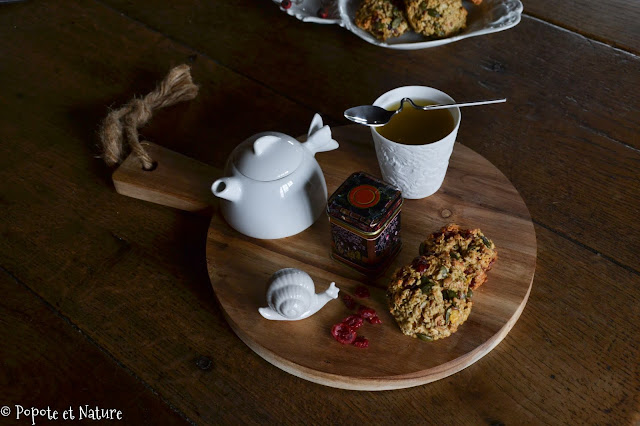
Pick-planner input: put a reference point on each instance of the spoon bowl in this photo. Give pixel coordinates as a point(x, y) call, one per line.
point(375, 116)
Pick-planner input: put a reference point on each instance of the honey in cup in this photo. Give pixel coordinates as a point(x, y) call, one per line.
point(412, 126)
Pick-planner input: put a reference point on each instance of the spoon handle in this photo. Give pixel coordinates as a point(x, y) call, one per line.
point(443, 106)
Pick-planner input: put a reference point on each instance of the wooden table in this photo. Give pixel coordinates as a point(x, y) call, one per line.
point(107, 300)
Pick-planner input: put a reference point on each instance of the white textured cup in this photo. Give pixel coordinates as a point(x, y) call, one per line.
point(417, 170)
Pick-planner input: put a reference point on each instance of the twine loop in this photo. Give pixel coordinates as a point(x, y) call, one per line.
point(123, 123)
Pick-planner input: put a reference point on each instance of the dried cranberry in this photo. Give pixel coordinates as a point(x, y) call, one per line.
point(343, 333)
point(285, 4)
point(323, 13)
point(420, 264)
point(362, 292)
point(361, 342)
point(366, 312)
point(348, 301)
point(353, 321)
point(375, 320)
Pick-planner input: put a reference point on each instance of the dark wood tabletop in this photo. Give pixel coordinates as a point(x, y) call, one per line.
point(106, 299)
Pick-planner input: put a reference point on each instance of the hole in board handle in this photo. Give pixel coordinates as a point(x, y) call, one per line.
point(154, 166)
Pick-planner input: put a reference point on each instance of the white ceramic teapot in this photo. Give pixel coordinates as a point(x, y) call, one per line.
point(274, 186)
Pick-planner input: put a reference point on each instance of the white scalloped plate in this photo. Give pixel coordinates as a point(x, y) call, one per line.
point(489, 17)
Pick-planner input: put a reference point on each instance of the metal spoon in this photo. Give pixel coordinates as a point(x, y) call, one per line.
point(375, 116)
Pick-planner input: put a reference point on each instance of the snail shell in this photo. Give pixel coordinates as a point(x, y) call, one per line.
point(291, 292)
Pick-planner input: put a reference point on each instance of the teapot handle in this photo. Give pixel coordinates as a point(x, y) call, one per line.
point(321, 141)
point(316, 124)
point(319, 137)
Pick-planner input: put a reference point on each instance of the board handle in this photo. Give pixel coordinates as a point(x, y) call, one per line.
point(175, 180)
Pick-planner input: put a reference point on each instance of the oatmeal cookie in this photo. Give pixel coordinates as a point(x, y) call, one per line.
point(382, 18)
point(477, 252)
point(436, 18)
point(428, 298)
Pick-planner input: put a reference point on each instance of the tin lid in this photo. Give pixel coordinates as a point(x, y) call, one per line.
point(364, 201)
point(268, 156)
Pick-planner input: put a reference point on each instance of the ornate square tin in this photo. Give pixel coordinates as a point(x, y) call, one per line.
point(364, 213)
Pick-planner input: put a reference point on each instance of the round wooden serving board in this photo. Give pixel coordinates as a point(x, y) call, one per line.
point(474, 195)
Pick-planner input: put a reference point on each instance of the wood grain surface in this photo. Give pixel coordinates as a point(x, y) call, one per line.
point(126, 281)
point(34, 327)
point(611, 21)
point(474, 194)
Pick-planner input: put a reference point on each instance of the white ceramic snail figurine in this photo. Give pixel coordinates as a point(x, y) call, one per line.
point(292, 296)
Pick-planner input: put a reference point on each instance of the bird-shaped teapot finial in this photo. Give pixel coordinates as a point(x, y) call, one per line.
point(292, 296)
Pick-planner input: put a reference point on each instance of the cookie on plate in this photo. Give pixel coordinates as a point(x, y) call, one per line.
point(381, 18)
point(436, 18)
point(471, 246)
point(429, 298)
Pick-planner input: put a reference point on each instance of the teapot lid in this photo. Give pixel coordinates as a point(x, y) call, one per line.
point(268, 156)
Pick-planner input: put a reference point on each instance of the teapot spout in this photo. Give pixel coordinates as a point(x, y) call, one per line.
point(227, 188)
